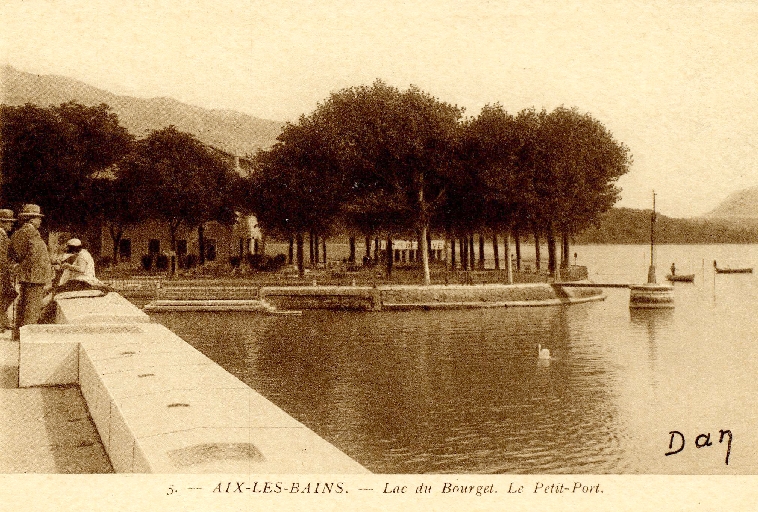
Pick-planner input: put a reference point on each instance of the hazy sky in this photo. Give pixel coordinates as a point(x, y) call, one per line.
point(675, 81)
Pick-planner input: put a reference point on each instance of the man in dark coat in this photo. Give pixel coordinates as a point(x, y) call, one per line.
point(7, 290)
point(29, 250)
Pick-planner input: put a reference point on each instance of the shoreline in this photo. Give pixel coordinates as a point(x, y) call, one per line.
point(281, 299)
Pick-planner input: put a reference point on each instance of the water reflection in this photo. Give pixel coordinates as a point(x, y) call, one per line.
point(654, 321)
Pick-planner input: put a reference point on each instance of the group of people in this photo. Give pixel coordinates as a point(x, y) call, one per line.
point(28, 272)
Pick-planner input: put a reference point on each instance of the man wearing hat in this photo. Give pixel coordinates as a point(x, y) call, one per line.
point(80, 270)
point(29, 250)
point(7, 290)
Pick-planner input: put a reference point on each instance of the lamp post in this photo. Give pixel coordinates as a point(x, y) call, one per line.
point(651, 271)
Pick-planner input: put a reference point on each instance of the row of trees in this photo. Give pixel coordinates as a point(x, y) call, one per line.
point(370, 160)
point(374, 160)
point(85, 170)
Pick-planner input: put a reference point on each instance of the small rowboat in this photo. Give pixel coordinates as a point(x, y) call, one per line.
point(734, 270)
point(684, 278)
point(731, 270)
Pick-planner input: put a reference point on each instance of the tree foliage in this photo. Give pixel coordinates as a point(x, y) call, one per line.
point(50, 156)
point(370, 157)
point(176, 178)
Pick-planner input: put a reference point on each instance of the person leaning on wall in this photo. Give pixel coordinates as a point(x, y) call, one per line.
point(8, 291)
point(29, 250)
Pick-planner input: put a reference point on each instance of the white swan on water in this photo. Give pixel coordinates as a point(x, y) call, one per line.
point(543, 353)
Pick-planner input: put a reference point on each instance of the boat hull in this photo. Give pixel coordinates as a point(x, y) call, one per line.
point(684, 278)
point(734, 270)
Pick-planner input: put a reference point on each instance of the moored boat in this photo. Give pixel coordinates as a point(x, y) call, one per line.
point(727, 270)
point(684, 278)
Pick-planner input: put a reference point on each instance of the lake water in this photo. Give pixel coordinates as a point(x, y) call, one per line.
point(464, 392)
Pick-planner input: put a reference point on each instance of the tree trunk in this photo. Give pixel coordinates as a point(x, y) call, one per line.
point(452, 253)
point(310, 243)
point(116, 235)
point(551, 250)
point(172, 256)
point(351, 258)
point(388, 257)
point(323, 252)
point(463, 245)
point(316, 251)
point(507, 255)
point(201, 244)
point(566, 259)
point(368, 249)
point(518, 251)
point(536, 251)
point(429, 244)
point(172, 235)
point(471, 257)
point(116, 242)
point(300, 257)
point(425, 255)
point(94, 234)
point(495, 252)
point(481, 251)
point(290, 251)
point(376, 250)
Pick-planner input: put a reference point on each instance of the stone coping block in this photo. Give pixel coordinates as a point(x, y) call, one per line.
point(48, 364)
point(160, 405)
point(49, 354)
point(247, 450)
point(110, 308)
point(8, 353)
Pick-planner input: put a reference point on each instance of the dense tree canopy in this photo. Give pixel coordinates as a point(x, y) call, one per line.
point(50, 155)
point(176, 178)
point(369, 157)
point(377, 160)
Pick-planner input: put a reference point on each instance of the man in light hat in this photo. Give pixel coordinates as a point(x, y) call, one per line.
point(7, 290)
point(79, 273)
point(29, 250)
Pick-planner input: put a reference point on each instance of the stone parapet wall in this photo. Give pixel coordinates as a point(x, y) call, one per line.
point(466, 294)
point(360, 298)
point(425, 297)
point(160, 405)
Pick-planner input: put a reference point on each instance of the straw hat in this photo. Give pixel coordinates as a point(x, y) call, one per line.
point(6, 215)
point(74, 242)
point(30, 210)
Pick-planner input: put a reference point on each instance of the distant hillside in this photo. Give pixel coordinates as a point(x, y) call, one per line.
point(229, 130)
point(629, 226)
point(740, 205)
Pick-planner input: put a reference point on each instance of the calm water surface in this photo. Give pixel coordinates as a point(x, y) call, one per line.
point(463, 391)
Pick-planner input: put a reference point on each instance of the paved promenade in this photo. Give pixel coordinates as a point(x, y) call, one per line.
point(44, 429)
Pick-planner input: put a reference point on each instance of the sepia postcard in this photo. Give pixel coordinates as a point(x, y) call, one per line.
point(428, 255)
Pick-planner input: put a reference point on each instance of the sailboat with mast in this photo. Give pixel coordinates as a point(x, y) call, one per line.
point(651, 295)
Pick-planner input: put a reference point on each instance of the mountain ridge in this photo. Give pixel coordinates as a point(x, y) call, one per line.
point(227, 129)
point(742, 204)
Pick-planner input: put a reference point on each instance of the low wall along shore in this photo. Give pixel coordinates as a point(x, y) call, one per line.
point(161, 406)
point(403, 297)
